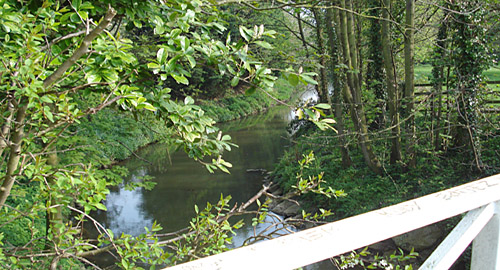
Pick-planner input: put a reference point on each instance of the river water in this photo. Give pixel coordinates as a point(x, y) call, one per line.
point(183, 183)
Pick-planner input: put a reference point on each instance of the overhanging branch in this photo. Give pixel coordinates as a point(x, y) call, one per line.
point(82, 49)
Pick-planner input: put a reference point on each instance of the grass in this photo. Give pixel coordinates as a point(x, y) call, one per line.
point(423, 73)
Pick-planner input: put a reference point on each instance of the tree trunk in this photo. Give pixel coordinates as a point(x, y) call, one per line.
point(409, 81)
point(438, 79)
point(54, 218)
point(14, 155)
point(374, 67)
point(469, 56)
point(338, 85)
point(392, 92)
point(353, 90)
point(4, 135)
point(322, 85)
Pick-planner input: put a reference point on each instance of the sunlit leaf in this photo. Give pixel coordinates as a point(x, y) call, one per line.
point(180, 79)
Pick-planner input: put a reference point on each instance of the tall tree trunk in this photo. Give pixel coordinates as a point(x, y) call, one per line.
point(6, 127)
point(353, 90)
point(337, 89)
point(469, 58)
point(323, 84)
point(392, 92)
point(375, 70)
point(54, 218)
point(351, 36)
point(438, 79)
point(409, 81)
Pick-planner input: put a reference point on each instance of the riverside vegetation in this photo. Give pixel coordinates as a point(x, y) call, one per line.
point(85, 83)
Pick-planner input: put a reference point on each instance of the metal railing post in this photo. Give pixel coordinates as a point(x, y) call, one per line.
point(485, 248)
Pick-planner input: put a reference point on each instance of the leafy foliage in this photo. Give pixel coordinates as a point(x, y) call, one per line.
point(69, 87)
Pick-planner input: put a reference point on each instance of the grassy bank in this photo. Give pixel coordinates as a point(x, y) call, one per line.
point(237, 106)
point(113, 136)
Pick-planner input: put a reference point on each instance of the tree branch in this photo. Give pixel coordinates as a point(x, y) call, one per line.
point(82, 49)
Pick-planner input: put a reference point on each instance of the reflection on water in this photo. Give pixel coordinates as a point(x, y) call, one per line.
point(182, 182)
point(126, 214)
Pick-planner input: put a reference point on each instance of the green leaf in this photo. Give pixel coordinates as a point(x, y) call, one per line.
point(328, 121)
point(250, 91)
point(323, 106)
point(184, 43)
point(293, 79)
point(308, 79)
point(243, 32)
point(188, 100)
point(76, 4)
point(175, 33)
point(235, 81)
point(161, 55)
point(83, 14)
point(74, 17)
point(109, 75)
point(264, 44)
point(180, 79)
point(48, 114)
point(191, 60)
point(101, 206)
point(153, 66)
point(93, 77)
point(310, 113)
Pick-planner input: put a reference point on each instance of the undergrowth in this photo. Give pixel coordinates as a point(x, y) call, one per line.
point(366, 191)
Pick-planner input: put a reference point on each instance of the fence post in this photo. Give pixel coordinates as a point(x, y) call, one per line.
point(485, 248)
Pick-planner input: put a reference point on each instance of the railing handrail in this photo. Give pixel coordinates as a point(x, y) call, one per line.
point(332, 239)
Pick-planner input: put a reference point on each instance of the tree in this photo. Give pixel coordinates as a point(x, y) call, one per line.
point(392, 86)
point(409, 52)
point(339, 84)
point(374, 66)
point(439, 80)
point(470, 59)
point(64, 61)
point(352, 93)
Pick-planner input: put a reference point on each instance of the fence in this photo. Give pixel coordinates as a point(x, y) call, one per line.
point(479, 199)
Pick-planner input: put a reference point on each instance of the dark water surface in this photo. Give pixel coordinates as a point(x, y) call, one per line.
point(182, 182)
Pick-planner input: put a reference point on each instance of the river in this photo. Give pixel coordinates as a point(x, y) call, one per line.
point(183, 183)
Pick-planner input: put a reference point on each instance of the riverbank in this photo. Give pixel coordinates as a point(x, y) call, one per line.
point(119, 136)
point(238, 106)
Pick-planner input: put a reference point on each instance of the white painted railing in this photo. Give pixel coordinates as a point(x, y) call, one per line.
point(479, 199)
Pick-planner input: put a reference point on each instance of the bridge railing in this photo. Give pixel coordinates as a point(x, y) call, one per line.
point(478, 199)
